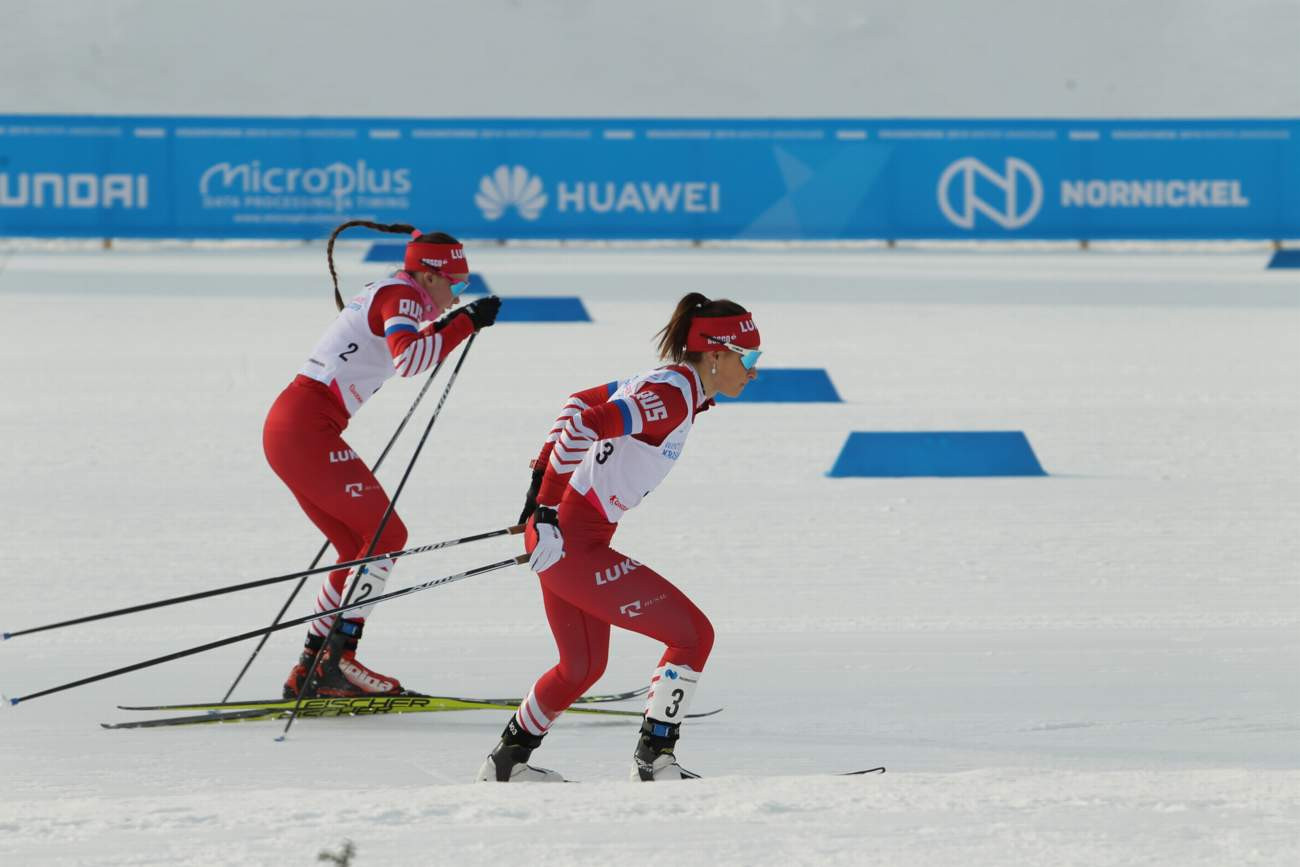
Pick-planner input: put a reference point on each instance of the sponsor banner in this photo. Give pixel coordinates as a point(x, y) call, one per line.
point(735, 179)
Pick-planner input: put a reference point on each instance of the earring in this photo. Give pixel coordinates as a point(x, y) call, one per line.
point(713, 371)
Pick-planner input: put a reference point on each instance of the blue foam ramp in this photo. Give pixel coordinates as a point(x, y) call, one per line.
point(789, 385)
point(562, 308)
point(386, 251)
point(1285, 259)
point(936, 453)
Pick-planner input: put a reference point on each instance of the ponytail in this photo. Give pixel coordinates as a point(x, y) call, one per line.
point(672, 337)
point(396, 228)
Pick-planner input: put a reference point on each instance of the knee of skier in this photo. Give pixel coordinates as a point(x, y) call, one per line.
point(581, 675)
point(394, 537)
point(703, 639)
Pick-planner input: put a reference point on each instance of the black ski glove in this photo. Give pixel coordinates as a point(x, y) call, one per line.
point(530, 500)
point(483, 311)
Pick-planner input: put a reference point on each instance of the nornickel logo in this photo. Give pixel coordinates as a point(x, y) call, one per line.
point(960, 198)
point(510, 186)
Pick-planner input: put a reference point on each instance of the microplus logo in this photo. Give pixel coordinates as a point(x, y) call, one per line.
point(74, 190)
point(336, 179)
point(515, 186)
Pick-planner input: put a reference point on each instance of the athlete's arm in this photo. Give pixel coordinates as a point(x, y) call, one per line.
point(395, 315)
point(649, 415)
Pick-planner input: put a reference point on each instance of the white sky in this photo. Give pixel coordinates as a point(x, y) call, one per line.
point(778, 58)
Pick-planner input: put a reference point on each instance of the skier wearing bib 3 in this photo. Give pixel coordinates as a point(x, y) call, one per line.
point(390, 328)
point(610, 447)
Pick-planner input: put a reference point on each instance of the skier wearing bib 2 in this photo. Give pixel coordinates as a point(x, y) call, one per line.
point(610, 447)
point(390, 328)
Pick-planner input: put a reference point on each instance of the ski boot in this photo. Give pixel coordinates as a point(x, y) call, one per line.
point(508, 762)
point(294, 682)
point(654, 760)
point(339, 674)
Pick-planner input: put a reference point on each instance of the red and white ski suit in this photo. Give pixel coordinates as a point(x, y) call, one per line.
point(611, 446)
point(376, 336)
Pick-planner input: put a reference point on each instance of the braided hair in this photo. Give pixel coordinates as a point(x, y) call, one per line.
point(394, 228)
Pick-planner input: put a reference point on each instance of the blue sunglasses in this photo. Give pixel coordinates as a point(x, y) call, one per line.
point(748, 357)
point(459, 288)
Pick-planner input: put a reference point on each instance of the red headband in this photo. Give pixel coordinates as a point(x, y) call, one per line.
point(438, 258)
point(708, 333)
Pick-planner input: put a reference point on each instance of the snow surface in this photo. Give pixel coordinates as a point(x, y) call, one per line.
point(1099, 667)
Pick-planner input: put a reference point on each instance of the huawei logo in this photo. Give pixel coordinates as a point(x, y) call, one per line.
point(510, 186)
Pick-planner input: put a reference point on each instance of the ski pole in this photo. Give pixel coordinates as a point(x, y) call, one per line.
point(262, 582)
point(325, 546)
point(266, 630)
point(379, 531)
point(311, 570)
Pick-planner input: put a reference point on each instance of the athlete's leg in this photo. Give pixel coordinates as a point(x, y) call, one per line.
point(342, 497)
point(583, 644)
point(616, 589)
point(347, 546)
point(609, 586)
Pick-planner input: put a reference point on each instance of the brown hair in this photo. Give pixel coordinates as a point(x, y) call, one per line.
point(672, 337)
point(395, 228)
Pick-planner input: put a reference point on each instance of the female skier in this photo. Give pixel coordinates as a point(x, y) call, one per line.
point(610, 447)
point(391, 327)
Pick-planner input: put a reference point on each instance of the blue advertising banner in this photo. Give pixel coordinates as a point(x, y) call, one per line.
point(637, 179)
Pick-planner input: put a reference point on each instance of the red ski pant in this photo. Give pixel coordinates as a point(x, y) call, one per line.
point(593, 587)
point(303, 443)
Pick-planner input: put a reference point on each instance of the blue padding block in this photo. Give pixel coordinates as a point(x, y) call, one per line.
point(937, 453)
point(387, 252)
point(789, 385)
point(515, 308)
point(1285, 259)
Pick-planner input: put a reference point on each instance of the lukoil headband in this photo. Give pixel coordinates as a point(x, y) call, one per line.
point(709, 333)
point(435, 257)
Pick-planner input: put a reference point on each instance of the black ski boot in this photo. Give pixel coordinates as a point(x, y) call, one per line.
point(653, 760)
point(508, 762)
